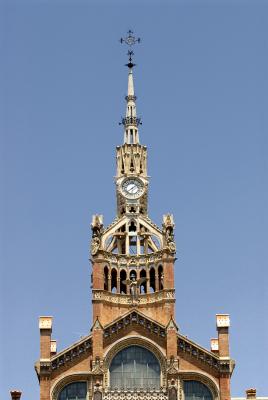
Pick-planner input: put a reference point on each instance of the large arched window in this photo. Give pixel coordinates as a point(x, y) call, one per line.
point(194, 390)
point(74, 391)
point(134, 368)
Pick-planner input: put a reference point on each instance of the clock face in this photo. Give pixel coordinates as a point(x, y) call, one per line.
point(132, 188)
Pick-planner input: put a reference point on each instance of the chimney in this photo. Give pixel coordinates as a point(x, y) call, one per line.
point(15, 394)
point(214, 345)
point(251, 394)
point(223, 324)
point(53, 347)
point(45, 326)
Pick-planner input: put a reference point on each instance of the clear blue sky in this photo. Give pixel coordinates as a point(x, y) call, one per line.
point(202, 86)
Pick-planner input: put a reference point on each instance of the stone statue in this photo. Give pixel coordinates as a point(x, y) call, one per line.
point(134, 285)
point(97, 228)
point(168, 230)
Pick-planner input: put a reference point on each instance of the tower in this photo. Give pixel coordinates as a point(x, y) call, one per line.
point(134, 349)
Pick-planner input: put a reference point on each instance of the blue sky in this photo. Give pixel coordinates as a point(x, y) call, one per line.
point(202, 83)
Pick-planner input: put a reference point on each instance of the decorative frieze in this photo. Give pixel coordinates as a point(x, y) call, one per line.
point(198, 353)
point(126, 260)
point(124, 299)
point(137, 319)
point(72, 353)
point(138, 394)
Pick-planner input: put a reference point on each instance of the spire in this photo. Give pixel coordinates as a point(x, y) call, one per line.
point(131, 122)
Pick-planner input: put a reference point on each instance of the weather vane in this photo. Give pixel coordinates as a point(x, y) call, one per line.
point(130, 40)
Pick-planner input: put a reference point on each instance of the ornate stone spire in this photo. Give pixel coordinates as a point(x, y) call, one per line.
point(130, 122)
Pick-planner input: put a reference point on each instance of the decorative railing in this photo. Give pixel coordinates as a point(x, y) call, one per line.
point(125, 299)
point(131, 121)
point(128, 260)
point(135, 394)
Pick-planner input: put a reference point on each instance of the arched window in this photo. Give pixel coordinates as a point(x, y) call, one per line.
point(74, 391)
point(143, 284)
point(152, 280)
point(114, 281)
point(133, 274)
point(160, 277)
point(123, 277)
point(135, 368)
point(194, 390)
point(106, 273)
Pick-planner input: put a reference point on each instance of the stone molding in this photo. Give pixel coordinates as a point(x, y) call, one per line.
point(135, 395)
point(202, 377)
point(136, 318)
point(59, 384)
point(71, 353)
point(165, 295)
point(202, 355)
point(134, 341)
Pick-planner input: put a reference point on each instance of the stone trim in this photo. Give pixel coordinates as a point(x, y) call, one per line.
point(203, 378)
point(71, 353)
point(136, 318)
point(199, 353)
point(162, 296)
point(132, 341)
point(66, 380)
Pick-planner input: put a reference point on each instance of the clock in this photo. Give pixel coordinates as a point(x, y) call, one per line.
point(132, 188)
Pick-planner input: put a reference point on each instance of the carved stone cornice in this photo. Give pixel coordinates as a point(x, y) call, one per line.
point(137, 394)
point(44, 367)
point(72, 353)
point(162, 296)
point(226, 367)
point(139, 260)
point(197, 352)
point(135, 318)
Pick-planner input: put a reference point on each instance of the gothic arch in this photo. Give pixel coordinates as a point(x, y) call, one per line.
point(66, 379)
point(134, 341)
point(200, 377)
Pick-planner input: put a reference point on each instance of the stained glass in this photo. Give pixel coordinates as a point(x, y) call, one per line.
point(74, 391)
point(133, 368)
point(194, 390)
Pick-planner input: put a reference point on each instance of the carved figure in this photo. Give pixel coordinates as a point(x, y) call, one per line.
point(95, 245)
point(168, 230)
point(134, 285)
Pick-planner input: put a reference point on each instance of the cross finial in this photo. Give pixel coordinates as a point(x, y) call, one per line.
point(130, 39)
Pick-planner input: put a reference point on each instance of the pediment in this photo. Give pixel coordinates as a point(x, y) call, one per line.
point(196, 354)
point(72, 353)
point(136, 319)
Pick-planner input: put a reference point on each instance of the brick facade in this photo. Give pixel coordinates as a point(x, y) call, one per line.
point(133, 297)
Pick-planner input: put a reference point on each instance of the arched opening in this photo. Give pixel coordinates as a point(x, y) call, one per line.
point(74, 391)
point(143, 284)
point(133, 274)
point(106, 274)
point(135, 368)
point(160, 278)
point(123, 277)
point(152, 280)
point(132, 227)
point(195, 390)
point(114, 281)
